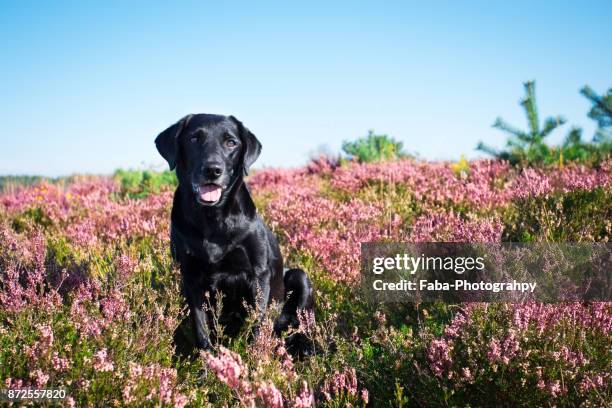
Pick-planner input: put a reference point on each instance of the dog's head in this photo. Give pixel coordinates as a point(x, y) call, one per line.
point(210, 153)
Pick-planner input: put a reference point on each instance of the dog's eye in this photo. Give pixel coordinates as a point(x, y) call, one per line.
point(193, 139)
point(230, 143)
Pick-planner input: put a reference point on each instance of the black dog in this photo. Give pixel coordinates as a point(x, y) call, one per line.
point(217, 237)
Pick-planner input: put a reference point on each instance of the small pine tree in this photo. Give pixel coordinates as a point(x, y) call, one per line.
point(526, 147)
point(529, 148)
point(601, 111)
point(575, 149)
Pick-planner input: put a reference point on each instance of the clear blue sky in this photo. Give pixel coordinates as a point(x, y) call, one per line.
point(86, 86)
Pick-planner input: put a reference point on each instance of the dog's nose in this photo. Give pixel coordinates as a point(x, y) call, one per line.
point(213, 170)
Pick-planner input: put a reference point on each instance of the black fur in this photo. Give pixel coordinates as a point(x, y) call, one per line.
point(225, 245)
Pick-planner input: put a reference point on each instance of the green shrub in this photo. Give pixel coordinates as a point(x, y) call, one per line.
point(373, 148)
point(141, 183)
point(574, 149)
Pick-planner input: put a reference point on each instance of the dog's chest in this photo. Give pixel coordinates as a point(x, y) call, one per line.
point(235, 261)
point(213, 259)
point(232, 275)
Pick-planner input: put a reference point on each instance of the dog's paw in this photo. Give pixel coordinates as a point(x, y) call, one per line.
point(284, 322)
point(299, 345)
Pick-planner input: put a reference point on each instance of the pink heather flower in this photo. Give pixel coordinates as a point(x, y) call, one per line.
point(13, 383)
point(322, 164)
point(510, 347)
point(306, 320)
point(270, 395)
point(102, 362)
point(127, 393)
point(59, 363)
point(24, 278)
point(31, 351)
point(305, 399)
point(114, 307)
point(339, 383)
point(439, 356)
point(271, 178)
point(532, 182)
point(554, 388)
point(287, 367)
point(125, 266)
point(167, 377)
point(40, 378)
point(494, 353)
point(451, 227)
point(453, 330)
point(46, 336)
point(180, 400)
point(365, 396)
point(91, 327)
point(135, 369)
point(266, 342)
point(227, 366)
point(585, 385)
point(589, 383)
point(160, 382)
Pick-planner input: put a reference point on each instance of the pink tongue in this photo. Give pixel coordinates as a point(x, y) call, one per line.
point(210, 193)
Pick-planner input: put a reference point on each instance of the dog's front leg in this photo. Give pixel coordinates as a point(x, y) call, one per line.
point(195, 299)
point(261, 296)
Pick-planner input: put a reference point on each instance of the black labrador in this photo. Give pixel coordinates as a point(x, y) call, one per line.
point(218, 238)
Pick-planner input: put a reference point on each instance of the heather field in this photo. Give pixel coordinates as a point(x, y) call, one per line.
point(90, 298)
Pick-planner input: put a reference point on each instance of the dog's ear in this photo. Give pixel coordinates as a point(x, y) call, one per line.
point(167, 141)
point(252, 147)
